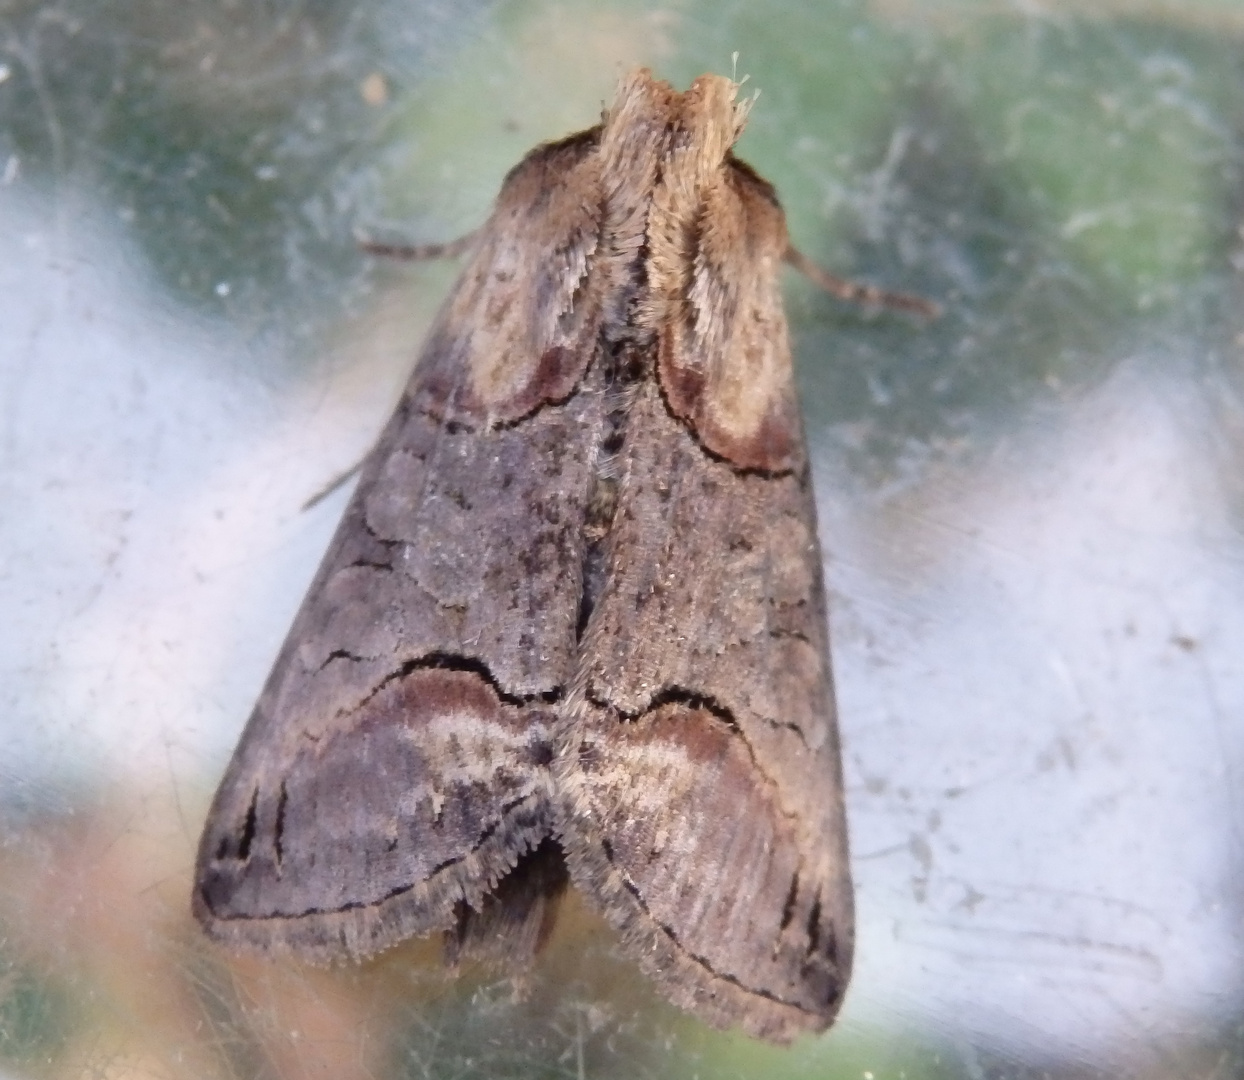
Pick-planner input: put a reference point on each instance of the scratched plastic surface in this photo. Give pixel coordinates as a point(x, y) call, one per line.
point(1032, 510)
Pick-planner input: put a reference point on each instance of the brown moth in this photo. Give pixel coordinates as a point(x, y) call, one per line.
point(572, 625)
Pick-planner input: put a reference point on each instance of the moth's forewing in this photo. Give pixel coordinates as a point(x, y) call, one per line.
point(396, 763)
point(704, 788)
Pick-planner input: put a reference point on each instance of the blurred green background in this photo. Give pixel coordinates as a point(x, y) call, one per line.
point(1031, 508)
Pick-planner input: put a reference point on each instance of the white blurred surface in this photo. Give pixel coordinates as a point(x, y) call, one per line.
point(1037, 645)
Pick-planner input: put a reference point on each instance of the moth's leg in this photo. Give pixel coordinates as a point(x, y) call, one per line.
point(340, 480)
point(418, 252)
point(855, 292)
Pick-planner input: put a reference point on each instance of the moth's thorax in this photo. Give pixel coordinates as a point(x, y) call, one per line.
point(661, 152)
point(643, 232)
point(694, 241)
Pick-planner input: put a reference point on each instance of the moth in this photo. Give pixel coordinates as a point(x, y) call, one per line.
point(572, 627)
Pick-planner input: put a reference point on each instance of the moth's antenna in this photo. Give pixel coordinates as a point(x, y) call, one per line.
point(416, 252)
point(854, 292)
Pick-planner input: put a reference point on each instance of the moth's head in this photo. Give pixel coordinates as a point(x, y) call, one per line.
point(706, 116)
point(710, 112)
